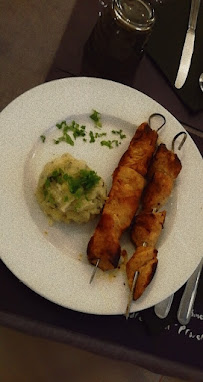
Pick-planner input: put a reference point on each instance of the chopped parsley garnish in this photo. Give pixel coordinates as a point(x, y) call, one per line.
point(99, 135)
point(70, 132)
point(65, 138)
point(47, 183)
point(43, 138)
point(61, 125)
point(47, 195)
point(89, 179)
point(92, 138)
point(78, 131)
point(75, 128)
point(69, 140)
point(110, 144)
point(82, 183)
point(96, 117)
point(120, 133)
point(51, 199)
point(78, 185)
point(57, 176)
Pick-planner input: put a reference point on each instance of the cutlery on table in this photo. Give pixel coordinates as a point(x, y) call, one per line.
point(188, 47)
point(188, 297)
point(162, 308)
point(201, 82)
point(187, 301)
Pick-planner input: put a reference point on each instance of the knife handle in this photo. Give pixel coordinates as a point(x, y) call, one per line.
point(193, 14)
point(188, 297)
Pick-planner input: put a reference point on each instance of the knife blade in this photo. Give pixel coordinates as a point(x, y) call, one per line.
point(188, 47)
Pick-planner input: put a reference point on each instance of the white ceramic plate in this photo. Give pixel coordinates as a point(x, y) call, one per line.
point(52, 260)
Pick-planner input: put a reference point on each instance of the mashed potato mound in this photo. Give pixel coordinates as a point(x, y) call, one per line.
point(69, 191)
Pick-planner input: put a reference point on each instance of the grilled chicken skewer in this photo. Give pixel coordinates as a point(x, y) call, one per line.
point(146, 230)
point(162, 173)
point(123, 199)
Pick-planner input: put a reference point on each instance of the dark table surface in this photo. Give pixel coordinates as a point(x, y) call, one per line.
point(165, 346)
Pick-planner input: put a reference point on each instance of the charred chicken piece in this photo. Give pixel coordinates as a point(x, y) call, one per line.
point(118, 212)
point(141, 149)
point(165, 161)
point(144, 260)
point(147, 228)
point(162, 173)
point(157, 192)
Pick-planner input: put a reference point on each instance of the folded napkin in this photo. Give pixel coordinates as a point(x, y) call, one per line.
point(166, 44)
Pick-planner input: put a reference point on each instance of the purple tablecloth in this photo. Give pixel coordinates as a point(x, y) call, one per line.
point(164, 347)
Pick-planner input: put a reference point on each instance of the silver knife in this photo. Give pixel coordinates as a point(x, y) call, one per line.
point(188, 297)
point(162, 308)
point(188, 47)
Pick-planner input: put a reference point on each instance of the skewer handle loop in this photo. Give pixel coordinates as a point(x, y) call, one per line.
point(157, 115)
point(181, 143)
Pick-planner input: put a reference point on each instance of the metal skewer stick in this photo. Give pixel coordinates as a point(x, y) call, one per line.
point(130, 298)
point(94, 271)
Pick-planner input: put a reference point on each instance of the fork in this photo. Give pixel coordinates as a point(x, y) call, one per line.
point(187, 301)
